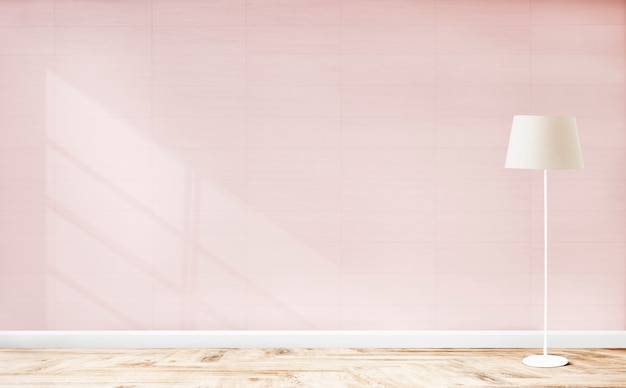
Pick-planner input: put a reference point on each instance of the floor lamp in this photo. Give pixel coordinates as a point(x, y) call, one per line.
point(544, 143)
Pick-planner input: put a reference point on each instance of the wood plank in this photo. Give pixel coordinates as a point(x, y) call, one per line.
point(125, 368)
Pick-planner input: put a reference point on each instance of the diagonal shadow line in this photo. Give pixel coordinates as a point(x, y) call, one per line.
point(195, 247)
point(135, 203)
point(193, 199)
point(148, 212)
point(108, 241)
point(127, 255)
point(156, 218)
point(97, 300)
point(127, 198)
point(100, 178)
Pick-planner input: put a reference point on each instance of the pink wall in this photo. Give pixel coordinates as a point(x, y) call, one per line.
point(306, 164)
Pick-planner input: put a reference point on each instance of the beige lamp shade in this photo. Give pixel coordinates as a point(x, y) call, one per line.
point(544, 142)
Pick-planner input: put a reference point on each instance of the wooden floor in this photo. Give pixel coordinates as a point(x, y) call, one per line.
point(335, 368)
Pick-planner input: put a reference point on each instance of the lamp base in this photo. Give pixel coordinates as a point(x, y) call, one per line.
point(545, 361)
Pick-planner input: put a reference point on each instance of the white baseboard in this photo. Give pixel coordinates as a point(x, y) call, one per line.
point(310, 339)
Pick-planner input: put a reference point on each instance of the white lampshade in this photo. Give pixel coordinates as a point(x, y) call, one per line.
point(544, 142)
